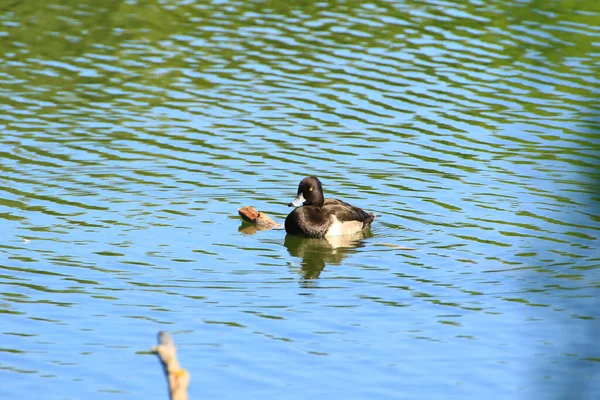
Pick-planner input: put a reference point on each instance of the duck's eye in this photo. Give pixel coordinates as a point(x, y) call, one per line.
point(310, 190)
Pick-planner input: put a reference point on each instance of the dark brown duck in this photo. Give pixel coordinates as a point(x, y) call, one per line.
point(319, 217)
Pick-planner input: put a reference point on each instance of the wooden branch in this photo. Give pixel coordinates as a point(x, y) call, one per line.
point(178, 378)
point(261, 220)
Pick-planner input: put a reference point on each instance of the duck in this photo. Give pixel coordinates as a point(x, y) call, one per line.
point(318, 217)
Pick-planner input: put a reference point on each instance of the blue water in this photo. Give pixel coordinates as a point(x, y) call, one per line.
point(131, 132)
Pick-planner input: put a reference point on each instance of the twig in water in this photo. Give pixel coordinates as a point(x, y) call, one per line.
point(178, 378)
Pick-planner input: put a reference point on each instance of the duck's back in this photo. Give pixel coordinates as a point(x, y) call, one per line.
point(345, 218)
point(347, 212)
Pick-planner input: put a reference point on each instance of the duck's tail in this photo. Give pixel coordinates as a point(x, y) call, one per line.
point(369, 220)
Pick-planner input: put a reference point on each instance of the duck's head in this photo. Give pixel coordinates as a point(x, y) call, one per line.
point(310, 193)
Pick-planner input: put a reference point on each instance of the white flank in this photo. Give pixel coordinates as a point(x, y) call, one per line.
point(338, 228)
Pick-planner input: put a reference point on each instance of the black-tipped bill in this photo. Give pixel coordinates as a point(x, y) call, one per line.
point(298, 201)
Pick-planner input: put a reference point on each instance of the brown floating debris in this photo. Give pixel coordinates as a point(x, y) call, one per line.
point(178, 378)
point(261, 220)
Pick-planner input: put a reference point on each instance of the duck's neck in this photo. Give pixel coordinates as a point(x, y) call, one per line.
point(318, 202)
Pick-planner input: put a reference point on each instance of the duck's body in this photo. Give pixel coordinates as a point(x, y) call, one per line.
point(320, 217)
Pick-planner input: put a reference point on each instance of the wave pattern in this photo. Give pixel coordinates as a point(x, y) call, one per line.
point(132, 131)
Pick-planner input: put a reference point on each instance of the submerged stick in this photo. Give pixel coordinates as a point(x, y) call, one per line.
point(261, 220)
point(178, 378)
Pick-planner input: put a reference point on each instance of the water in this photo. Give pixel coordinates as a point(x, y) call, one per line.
point(132, 131)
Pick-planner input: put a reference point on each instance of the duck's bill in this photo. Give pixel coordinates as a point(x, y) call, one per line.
point(298, 201)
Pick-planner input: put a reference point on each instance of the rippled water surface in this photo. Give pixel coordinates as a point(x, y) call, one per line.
point(132, 131)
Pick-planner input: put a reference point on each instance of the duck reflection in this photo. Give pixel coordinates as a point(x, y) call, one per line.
point(317, 253)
